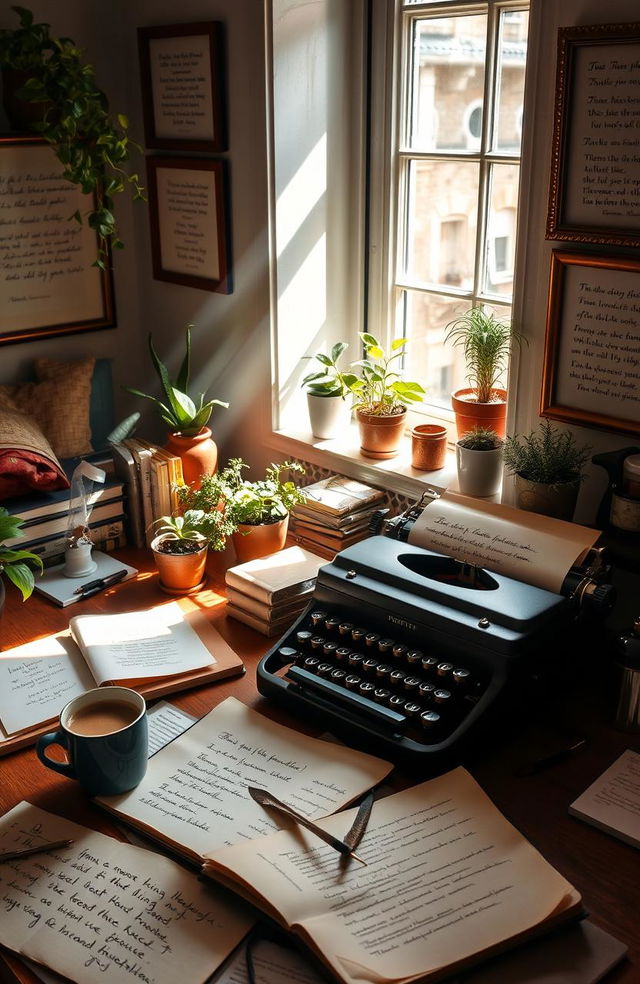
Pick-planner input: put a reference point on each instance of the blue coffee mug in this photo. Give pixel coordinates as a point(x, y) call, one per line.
point(104, 764)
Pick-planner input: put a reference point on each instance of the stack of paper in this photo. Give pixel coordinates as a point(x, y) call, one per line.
point(336, 514)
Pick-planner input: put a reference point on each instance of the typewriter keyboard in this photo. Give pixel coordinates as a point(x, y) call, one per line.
point(401, 689)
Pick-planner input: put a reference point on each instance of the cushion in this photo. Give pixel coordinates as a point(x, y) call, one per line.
point(27, 461)
point(59, 404)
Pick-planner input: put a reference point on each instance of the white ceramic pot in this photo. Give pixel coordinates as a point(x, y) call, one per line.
point(329, 415)
point(479, 472)
point(78, 561)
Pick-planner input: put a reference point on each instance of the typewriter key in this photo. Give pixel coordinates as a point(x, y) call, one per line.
point(358, 634)
point(371, 638)
point(303, 637)
point(396, 702)
point(355, 659)
point(369, 665)
point(400, 651)
point(382, 671)
point(329, 648)
point(345, 628)
point(366, 689)
point(411, 684)
point(381, 694)
point(384, 645)
point(352, 681)
point(338, 675)
point(324, 669)
point(287, 654)
point(331, 623)
point(311, 663)
point(397, 677)
point(414, 656)
point(426, 690)
point(317, 617)
point(461, 676)
point(429, 663)
point(412, 710)
point(341, 653)
point(429, 719)
point(317, 641)
point(444, 669)
point(441, 696)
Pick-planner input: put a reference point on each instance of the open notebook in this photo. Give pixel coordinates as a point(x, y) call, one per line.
point(157, 651)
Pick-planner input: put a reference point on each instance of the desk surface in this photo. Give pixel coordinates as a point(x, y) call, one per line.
point(602, 868)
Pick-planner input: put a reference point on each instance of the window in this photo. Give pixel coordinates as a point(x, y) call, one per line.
point(454, 168)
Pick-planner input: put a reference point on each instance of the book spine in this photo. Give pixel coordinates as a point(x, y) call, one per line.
point(141, 456)
point(267, 613)
point(107, 536)
point(264, 595)
point(49, 527)
point(125, 468)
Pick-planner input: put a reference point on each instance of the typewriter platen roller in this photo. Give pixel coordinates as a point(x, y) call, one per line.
point(407, 653)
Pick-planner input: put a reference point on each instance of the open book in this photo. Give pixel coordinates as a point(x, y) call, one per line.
point(194, 797)
point(448, 882)
point(157, 651)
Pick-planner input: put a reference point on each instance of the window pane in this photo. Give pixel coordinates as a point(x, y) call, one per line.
point(442, 207)
point(447, 83)
point(423, 318)
point(501, 229)
point(512, 55)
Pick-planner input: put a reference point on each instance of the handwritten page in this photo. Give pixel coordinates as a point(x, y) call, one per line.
point(182, 87)
point(612, 802)
point(38, 679)
point(153, 643)
point(522, 545)
point(165, 722)
point(447, 877)
point(195, 791)
point(101, 909)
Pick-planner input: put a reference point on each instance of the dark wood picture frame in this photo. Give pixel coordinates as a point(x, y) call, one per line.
point(190, 236)
point(49, 284)
point(184, 87)
point(595, 181)
point(591, 370)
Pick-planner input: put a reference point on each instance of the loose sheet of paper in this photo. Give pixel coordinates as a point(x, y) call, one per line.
point(612, 802)
point(522, 545)
point(154, 643)
point(273, 964)
point(165, 722)
point(103, 910)
point(447, 877)
point(38, 679)
point(195, 789)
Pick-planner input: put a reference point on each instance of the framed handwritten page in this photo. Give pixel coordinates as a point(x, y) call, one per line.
point(595, 170)
point(48, 284)
point(188, 215)
point(183, 86)
point(591, 372)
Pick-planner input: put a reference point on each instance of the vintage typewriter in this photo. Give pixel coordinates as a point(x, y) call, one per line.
point(409, 654)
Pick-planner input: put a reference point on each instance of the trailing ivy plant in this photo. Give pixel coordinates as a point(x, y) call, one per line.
point(91, 143)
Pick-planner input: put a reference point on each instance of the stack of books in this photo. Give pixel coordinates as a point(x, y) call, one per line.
point(270, 592)
point(336, 514)
point(150, 475)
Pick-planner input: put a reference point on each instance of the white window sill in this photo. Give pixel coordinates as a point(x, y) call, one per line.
point(343, 455)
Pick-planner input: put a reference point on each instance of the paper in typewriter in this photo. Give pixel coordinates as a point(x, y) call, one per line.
point(448, 881)
point(526, 546)
point(101, 910)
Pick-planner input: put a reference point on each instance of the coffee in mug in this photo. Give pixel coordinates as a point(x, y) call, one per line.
point(104, 733)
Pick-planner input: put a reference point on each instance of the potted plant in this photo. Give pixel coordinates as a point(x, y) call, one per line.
point(189, 437)
point(258, 511)
point(548, 467)
point(49, 89)
point(479, 461)
point(180, 547)
point(486, 342)
point(327, 391)
point(15, 563)
point(381, 398)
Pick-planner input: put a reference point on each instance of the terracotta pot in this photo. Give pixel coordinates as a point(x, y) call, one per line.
point(198, 453)
point(469, 413)
point(251, 542)
point(328, 416)
point(20, 113)
point(380, 434)
point(558, 501)
point(479, 472)
point(179, 573)
point(428, 447)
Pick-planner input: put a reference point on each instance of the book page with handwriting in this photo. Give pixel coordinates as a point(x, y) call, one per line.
point(195, 797)
point(447, 878)
point(523, 545)
point(104, 910)
point(137, 645)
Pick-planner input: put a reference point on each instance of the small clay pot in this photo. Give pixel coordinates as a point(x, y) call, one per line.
point(558, 501)
point(428, 447)
point(380, 434)
point(180, 573)
point(471, 414)
point(198, 453)
point(251, 542)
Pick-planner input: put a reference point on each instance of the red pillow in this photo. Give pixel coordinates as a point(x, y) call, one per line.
point(27, 462)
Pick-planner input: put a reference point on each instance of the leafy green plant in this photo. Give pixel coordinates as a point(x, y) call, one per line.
point(227, 493)
point(90, 142)
point(549, 456)
point(379, 389)
point(179, 411)
point(487, 343)
point(481, 439)
point(330, 380)
point(15, 563)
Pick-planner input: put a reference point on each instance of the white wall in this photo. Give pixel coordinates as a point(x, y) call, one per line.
point(534, 252)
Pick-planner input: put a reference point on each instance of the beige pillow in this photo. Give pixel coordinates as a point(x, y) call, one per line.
point(59, 403)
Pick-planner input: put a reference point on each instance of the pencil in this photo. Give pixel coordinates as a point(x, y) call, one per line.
point(40, 849)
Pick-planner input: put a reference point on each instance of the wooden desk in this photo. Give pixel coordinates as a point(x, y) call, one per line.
point(603, 869)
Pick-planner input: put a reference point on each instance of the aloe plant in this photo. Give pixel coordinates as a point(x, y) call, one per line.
point(179, 411)
point(15, 563)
